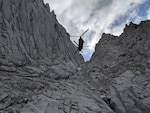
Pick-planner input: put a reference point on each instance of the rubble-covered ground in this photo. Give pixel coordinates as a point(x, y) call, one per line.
point(28, 91)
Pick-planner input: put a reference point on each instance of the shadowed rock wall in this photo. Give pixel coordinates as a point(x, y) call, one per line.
point(30, 33)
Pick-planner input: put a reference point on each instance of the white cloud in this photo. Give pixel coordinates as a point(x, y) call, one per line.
point(98, 15)
point(148, 14)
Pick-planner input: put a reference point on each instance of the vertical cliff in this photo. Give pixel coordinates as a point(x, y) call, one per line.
point(31, 34)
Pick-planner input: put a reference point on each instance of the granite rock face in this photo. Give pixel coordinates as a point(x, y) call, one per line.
point(35, 54)
point(120, 68)
point(40, 73)
point(30, 34)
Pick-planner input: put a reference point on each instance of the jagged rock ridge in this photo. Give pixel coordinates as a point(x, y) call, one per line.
point(120, 68)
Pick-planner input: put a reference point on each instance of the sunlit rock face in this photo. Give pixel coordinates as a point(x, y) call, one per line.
point(120, 68)
point(41, 73)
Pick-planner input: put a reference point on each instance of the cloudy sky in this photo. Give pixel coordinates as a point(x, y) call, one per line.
point(99, 16)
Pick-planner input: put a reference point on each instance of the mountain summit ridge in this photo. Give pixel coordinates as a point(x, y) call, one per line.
point(120, 67)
